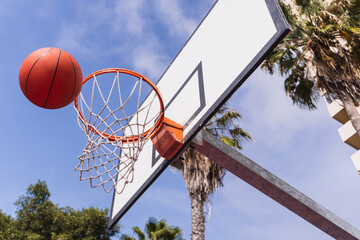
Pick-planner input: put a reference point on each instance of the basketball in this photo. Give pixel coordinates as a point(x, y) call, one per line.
point(50, 78)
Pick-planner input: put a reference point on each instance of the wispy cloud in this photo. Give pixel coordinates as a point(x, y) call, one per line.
point(267, 109)
point(72, 37)
point(125, 28)
point(45, 9)
point(175, 19)
point(129, 16)
point(149, 58)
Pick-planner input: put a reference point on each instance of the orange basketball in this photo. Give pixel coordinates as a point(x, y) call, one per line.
point(50, 78)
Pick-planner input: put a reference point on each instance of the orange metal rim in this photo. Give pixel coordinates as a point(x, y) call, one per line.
point(135, 138)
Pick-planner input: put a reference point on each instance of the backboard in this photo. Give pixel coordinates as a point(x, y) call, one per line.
point(228, 45)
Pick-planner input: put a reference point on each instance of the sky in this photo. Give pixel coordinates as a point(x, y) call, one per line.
point(302, 148)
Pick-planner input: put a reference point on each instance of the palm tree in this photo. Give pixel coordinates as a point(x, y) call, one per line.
point(322, 53)
point(203, 176)
point(155, 230)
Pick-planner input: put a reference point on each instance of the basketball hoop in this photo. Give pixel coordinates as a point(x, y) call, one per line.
point(118, 125)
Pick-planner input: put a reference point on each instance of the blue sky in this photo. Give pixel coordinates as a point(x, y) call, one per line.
point(303, 148)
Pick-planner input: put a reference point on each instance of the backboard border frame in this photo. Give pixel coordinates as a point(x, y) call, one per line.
point(282, 29)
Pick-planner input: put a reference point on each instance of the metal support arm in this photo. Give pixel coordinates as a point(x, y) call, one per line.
point(274, 187)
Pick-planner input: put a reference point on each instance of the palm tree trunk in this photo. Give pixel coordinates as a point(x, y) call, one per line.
point(198, 218)
point(352, 113)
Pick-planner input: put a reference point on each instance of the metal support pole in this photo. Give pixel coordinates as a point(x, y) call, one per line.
point(274, 187)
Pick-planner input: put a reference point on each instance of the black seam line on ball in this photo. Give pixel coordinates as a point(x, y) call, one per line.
point(27, 78)
point(57, 65)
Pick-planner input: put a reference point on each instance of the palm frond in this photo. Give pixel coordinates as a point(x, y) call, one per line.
point(238, 133)
point(339, 7)
point(230, 141)
point(225, 126)
point(310, 7)
point(301, 89)
point(139, 233)
point(325, 30)
point(323, 51)
point(126, 237)
point(354, 13)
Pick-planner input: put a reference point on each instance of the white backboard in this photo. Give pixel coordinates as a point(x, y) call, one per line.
point(228, 45)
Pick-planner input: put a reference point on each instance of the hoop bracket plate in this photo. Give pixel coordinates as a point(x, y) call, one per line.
point(169, 139)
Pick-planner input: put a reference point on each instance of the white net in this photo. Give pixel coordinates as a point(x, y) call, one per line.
point(118, 114)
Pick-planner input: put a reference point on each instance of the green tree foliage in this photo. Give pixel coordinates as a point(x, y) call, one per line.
point(155, 230)
point(35, 212)
point(225, 126)
point(322, 53)
point(38, 218)
point(8, 229)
